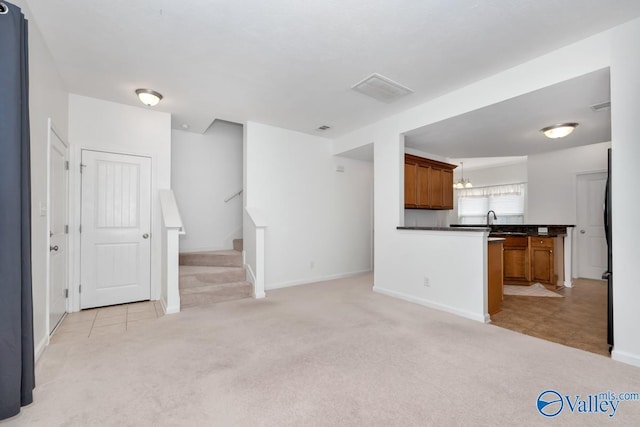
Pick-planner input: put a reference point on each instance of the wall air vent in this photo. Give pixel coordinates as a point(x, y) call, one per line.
point(323, 128)
point(602, 106)
point(381, 88)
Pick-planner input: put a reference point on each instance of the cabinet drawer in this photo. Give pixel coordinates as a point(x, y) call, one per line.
point(516, 242)
point(542, 242)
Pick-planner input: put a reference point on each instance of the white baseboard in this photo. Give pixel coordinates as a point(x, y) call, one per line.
point(167, 309)
point(251, 278)
point(40, 347)
point(314, 280)
point(624, 357)
point(484, 318)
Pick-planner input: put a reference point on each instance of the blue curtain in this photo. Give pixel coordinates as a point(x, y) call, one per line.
point(16, 311)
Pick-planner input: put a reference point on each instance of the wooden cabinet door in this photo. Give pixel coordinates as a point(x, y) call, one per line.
point(423, 176)
point(542, 260)
point(516, 264)
point(516, 259)
point(447, 189)
point(410, 185)
point(436, 188)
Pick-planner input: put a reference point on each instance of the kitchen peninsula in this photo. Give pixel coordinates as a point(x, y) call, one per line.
point(431, 258)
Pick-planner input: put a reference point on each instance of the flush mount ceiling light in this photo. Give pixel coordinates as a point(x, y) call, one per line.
point(559, 131)
point(462, 183)
point(148, 97)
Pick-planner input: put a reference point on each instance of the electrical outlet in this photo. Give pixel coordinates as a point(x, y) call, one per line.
point(426, 282)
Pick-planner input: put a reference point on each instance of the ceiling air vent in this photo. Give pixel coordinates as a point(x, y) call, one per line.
point(602, 106)
point(381, 88)
point(323, 127)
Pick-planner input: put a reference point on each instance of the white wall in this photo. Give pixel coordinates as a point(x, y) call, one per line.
point(625, 153)
point(48, 99)
point(552, 182)
point(108, 126)
point(313, 213)
point(206, 169)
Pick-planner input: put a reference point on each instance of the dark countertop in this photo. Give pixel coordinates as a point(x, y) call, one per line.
point(464, 228)
point(553, 230)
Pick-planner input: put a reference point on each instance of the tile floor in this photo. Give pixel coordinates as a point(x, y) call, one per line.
point(578, 320)
point(115, 319)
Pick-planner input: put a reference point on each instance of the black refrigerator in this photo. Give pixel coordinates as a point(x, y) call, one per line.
point(608, 275)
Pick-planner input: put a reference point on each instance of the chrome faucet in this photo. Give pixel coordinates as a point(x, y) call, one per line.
point(495, 218)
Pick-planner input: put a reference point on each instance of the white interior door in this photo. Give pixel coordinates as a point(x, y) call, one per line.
point(591, 243)
point(116, 223)
point(58, 231)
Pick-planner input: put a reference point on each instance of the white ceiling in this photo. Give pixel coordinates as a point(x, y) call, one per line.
point(292, 63)
point(512, 127)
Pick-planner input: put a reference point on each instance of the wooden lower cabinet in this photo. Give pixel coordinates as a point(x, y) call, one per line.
point(543, 260)
point(495, 277)
point(516, 259)
point(533, 259)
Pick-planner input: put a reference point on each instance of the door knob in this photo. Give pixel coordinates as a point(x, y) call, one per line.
point(583, 231)
point(53, 248)
point(145, 236)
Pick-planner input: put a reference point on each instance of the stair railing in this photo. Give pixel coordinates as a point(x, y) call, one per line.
point(254, 231)
point(172, 228)
point(234, 195)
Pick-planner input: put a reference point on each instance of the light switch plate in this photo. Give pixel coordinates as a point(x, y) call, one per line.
point(43, 208)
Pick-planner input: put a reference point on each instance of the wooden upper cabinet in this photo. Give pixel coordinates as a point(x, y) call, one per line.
point(423, 179)
point(410, 185)
point(428, 184)
point(447, 189)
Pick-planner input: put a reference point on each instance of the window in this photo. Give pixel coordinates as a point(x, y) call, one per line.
point(507, 201)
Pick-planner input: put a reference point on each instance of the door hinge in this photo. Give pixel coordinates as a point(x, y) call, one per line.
point(66, 293)
point(66, 165)
point(66, 229)
point(80, 228)
point(79, 289)
point(82, 165)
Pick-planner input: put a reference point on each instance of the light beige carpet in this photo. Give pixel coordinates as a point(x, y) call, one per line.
point(535, 290)
point(327, 354)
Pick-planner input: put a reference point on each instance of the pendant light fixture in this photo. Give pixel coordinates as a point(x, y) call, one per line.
point(148, 97)
point(558, 131)
point(462, 183)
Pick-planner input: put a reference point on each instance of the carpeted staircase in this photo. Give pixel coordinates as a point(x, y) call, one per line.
point(212, 277)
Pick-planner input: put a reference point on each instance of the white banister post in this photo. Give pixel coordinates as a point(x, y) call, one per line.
point(173, 275)
point(172, 228)
point(258, 288)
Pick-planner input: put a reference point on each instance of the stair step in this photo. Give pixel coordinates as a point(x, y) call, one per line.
point(192, 276)
point(212, 258)
point(214, 293)
point(238, 245)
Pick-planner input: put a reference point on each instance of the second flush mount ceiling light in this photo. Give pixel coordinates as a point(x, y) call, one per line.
point(558, 131)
